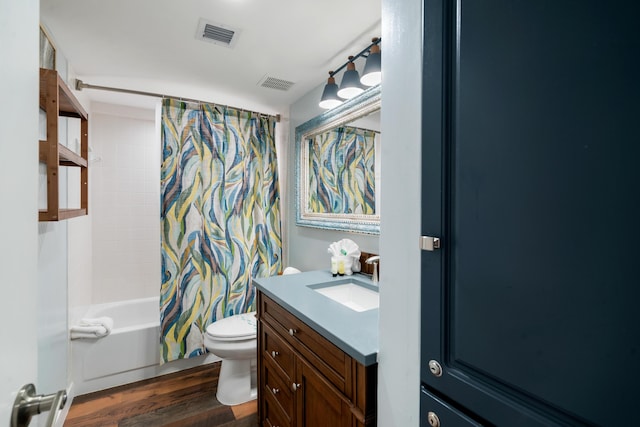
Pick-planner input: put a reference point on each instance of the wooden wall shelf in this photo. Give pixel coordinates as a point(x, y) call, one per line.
point(57, 100)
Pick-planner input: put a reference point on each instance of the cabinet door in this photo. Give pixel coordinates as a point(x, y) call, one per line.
point(277, 387)
point(530, 177)
point(273, 416)
point(437, 412)
point(319, 404)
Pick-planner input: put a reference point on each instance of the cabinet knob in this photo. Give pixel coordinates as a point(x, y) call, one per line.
point(433, 419)
point(295, 386)
point(274, 354)
point(292, 331)
point(275, 390)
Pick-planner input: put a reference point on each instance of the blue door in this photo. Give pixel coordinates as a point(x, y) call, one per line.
point(531, 179)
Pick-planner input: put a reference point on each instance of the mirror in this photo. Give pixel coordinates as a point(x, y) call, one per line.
point(338, 167)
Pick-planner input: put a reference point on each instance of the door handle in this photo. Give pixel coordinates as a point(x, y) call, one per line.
point(28, 404)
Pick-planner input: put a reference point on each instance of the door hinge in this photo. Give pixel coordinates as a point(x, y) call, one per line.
point(429, 243)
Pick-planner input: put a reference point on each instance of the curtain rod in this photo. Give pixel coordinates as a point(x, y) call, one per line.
point(82, 85)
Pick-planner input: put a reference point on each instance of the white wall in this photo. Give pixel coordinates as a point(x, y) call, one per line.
point(307, 247)
point(18, 197)
point(79, 255)
point(53, 343)
point(79, 248)
point(282, 152)
point(52, 306)
point(399, 357)
point(125, 203)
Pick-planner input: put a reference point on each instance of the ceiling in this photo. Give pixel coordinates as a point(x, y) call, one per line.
point(151, 46)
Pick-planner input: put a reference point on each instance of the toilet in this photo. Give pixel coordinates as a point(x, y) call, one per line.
point(234, 340)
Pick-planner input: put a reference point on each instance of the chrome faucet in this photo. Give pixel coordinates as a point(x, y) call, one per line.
point(374, 260)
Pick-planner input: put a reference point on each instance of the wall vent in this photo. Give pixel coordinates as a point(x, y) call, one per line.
point(275, 83)
point(219, 34)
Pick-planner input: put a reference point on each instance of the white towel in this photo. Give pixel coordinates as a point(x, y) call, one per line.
point(344, 247)
point(92, 328)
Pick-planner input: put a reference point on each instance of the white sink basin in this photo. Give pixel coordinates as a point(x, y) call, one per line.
point(351, 294)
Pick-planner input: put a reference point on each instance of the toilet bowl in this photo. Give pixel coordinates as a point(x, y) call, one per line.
point(234, 340)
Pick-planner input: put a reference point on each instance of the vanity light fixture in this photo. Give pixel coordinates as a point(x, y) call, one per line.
point(352, 84)
point(330, 96)
point(372, 73)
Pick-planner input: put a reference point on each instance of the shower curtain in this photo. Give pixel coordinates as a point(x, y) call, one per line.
point(343, 177)
point(220, 218)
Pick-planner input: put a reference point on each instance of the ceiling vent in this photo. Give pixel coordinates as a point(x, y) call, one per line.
point(212, 32)
point(275, 83)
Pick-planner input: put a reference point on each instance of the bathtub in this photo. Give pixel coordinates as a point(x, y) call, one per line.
point(130, 353)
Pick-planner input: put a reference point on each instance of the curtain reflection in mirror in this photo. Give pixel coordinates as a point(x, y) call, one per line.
point(343, 164)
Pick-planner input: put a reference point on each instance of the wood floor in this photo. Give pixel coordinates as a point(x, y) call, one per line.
point(182, 399)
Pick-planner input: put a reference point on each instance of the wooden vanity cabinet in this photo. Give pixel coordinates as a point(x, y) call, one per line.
point(306, 381)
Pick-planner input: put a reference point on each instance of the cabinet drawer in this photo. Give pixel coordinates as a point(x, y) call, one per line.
point(324, 355)
point(274, 349)
point(273, 415)
point(445, 413)
point(278, 387)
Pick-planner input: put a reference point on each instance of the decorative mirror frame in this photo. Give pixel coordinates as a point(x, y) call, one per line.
point(352, 109)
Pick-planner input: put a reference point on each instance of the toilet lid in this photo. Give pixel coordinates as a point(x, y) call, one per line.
point(237, 326)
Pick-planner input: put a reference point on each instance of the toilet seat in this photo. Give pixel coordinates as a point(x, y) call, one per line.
point(234, 328)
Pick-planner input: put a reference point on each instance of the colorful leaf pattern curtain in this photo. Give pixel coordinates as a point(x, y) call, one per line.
point(343, 174)
point(220, 218)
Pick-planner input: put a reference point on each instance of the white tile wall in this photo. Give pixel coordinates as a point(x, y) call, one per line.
point(125, 204)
